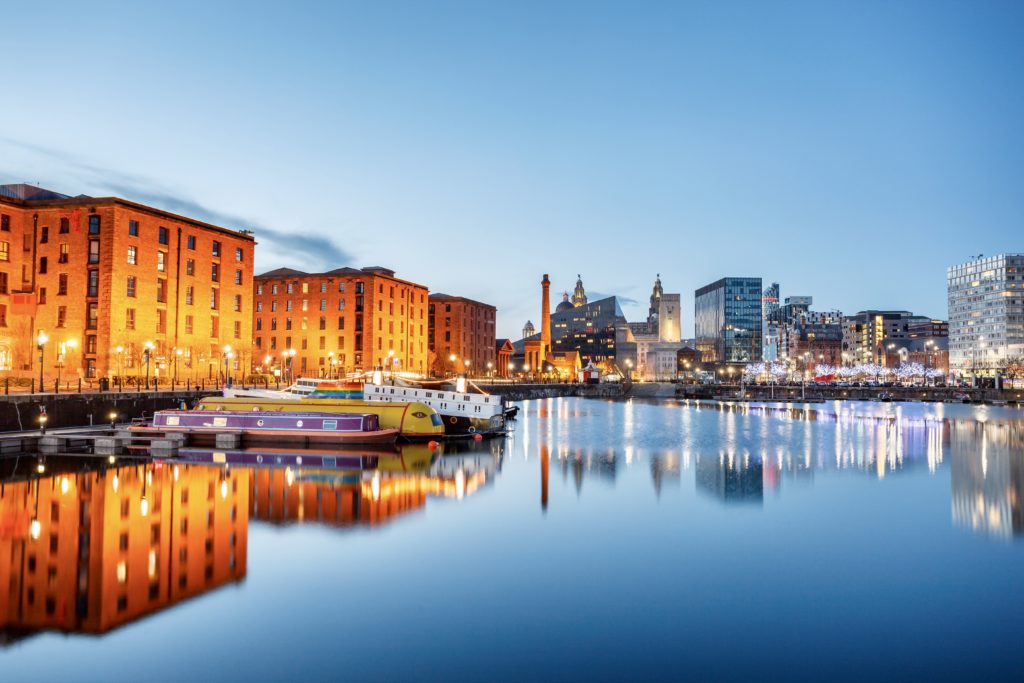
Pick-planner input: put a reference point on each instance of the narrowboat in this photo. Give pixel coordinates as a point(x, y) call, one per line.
point(413, 421)
point(257, 426)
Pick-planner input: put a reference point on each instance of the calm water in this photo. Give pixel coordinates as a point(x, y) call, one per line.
point(601, 541)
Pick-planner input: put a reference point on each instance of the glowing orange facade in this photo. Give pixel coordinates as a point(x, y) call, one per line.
point(338, 322)
point(104, 276)
point(91, 551)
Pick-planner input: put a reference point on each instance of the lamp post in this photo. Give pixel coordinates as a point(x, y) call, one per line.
point(64, 346)
point(177, 355)
point(451, 359)
point(289, 354)
point(466, 362)
point(489, 366)
point(120, 365)
point(228, 355)
point(41, 340)
point(147, 354)
point(391, 364)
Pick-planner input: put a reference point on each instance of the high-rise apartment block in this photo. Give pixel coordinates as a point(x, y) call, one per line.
point(986, 313)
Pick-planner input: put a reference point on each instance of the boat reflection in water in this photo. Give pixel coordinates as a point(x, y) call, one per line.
point(88, 544)
point(386, 487)
point(87, 549)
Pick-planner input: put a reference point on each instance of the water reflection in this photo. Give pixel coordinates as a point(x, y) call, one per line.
point(987, 471)
point(87, 544)
point(87, 550)
point(732, 480)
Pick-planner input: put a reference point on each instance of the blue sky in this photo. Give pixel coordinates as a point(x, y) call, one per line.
point(850, 151)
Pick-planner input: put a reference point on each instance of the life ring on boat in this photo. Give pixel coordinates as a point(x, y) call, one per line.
point(471, 430)
point(453, 419)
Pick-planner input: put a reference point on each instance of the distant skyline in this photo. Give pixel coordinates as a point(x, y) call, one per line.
point(849, 152)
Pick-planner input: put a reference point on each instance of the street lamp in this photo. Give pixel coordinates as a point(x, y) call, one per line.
point(147, 354)
point(41, 345)
point(177, 354)
point(289, 354)
point(451, 359)
point(64, 346)
point(391, 364)
point(228, 355)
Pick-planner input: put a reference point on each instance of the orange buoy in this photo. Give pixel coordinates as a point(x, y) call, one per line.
point(478, 437)
point(432, 445)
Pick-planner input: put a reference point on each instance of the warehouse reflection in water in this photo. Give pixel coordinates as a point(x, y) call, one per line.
point(88, 545)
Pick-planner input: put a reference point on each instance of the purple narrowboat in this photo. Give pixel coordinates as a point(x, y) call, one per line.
point(277, 427)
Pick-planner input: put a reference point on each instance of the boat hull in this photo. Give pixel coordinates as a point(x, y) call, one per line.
point(414, 421)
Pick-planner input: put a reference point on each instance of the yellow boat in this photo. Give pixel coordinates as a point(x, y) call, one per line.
point(412, 420)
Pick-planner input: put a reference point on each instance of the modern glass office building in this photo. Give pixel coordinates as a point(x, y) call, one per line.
point(986, 313)
point(728, 320)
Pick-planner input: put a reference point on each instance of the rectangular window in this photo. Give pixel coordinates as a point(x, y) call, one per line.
point(273, 306)
point(129, 318)
point(188, 324)
point(238, 277)
point(161, 261)
point(213, 298)
point(273, 289)
point(323, 304)
point(42, 265)
point(259, 324)
point(287, 323)
point(44, 234)
point(133, 228)
point(190, 267)
point(161, 321)
point(238, 329)
point(238, 254)
point(5, 251)
point(94, 225)
point(215, 272)
point(5, 222)
point(214, 326)
point(288, 305)
point(323, 287)
point(62, 315)
point(323, 323)
point(188, 295)
point(62, 284)
point(259, 306)
point(191, 242)
point(65, 226)
point(259, 290)
point(238, 302)
point(94, 251)
point(341, 287)
point(3, 283)
point(216, 248)
point(131, 286)
point(3, 323)
point(93, 288)
point(64, 252)
point(133, 255)
point(161, 290)
point(92, 320)
point(164, 236)
point(341, 322)
point(42, 295)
